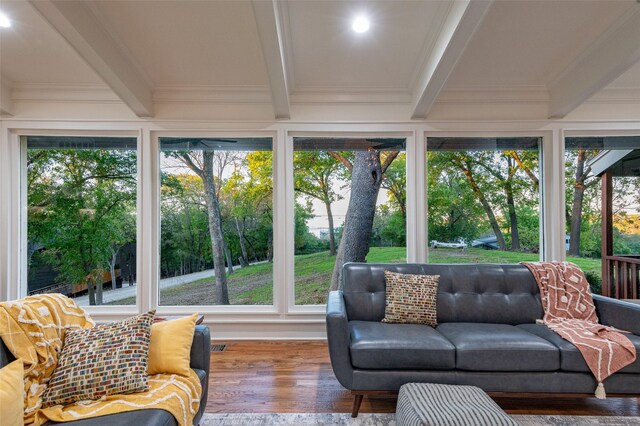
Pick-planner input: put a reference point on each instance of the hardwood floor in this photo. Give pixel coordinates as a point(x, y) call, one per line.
point(296, 377)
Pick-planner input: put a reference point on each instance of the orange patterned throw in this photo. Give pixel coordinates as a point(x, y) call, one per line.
point(570, 312)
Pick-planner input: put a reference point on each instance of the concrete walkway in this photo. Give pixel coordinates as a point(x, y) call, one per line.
point(113, 295)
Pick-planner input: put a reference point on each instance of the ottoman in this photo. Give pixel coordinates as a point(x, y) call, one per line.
point(447, 405)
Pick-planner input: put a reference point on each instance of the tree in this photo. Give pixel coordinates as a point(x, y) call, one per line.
point(185, 238)
point(202, 164)
point(465, 163)
point(395, 181)
point(239, 209)
point(78, 201)
point(301, 230)
point(314, 173)
point(581, 180)
point(260, 191)
point(122, 233)
point(505, 177)
point(454, 212)
point(498, 180)
point(367, 172)
point(246, 197)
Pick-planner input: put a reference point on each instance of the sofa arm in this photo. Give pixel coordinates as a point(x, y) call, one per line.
point(200, 358)
point(618, 313)
point(201, 348)
point(338, 339)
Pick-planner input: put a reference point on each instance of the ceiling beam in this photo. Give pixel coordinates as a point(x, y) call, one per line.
point(461, 23)
point(271, 33)
point(606, 59)
point(76, 22)
point(6, 104)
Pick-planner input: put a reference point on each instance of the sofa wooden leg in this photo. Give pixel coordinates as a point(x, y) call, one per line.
point(357, 401)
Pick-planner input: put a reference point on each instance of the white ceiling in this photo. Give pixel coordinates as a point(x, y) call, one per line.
point(529, 43)
point(327, 54)
point(189, 42)
point(220, 45)
point(33, 52)
point(630, 79)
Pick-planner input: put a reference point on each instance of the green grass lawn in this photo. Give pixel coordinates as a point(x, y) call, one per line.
point(253, 285)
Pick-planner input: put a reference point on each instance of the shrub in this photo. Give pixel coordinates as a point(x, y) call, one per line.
point(595, 281)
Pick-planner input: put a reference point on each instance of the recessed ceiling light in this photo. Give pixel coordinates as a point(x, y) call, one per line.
point(360, 24)
point(4, 20)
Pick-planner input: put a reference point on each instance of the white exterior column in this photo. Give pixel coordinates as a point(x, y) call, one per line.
point(552, 198)
point(416, 198)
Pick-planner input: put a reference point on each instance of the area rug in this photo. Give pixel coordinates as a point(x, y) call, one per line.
point(365, 419)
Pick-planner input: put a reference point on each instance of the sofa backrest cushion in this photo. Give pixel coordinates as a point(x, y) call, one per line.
point(489, 293)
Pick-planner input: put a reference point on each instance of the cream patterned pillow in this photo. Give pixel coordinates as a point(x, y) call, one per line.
point(411, 299)
point(107, 359)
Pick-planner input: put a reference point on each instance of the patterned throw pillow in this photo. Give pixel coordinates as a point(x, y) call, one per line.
point(411, 299)
point(103, 360)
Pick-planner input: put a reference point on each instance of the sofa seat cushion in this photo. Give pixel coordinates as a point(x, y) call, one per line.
point(499, 347)
point(570, 357)
point(376, 345)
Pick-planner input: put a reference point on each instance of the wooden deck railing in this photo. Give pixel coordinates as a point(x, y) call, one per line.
point(621, 276)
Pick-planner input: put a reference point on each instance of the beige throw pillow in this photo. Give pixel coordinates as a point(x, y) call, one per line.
point(411, 299)
point(104, 360)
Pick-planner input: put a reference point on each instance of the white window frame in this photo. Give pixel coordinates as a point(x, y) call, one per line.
point(411, 193)
point(226, 311)
point(566, 133)
point(21, 143)
point(547, 178)
point(282, 322)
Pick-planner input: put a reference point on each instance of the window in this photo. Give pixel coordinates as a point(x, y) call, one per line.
point(483, 199)
point(586, 159)
point(81, 218)
point(216, 236)
point(350, 205)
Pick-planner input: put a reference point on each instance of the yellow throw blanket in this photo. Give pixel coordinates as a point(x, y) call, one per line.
point(33, 329)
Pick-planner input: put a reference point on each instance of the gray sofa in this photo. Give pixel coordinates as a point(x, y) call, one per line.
point(486, 336)
point(200, 355)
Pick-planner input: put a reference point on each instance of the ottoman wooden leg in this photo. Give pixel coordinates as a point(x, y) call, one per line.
point(357, 401)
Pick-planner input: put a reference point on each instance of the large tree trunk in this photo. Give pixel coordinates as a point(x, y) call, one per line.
point(91, 291)
point(576, 209)
point(332, 234)
point(215, 229)
point(244, 260)
point(366, 178)
point(97, 279)
point(513, 217)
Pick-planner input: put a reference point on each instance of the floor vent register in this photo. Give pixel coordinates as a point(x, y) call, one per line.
point(218, 348)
